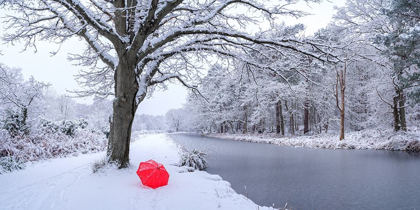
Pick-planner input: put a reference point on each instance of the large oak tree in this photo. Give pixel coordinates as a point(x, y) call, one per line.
point(134, 45)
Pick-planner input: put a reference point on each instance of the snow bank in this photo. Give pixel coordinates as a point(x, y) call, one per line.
point(68, 183)
point(142, 132)
point(368, 139)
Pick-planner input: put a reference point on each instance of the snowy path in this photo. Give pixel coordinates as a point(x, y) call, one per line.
point(68, 183)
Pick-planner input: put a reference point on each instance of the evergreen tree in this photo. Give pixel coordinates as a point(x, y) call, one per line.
point(403, 44)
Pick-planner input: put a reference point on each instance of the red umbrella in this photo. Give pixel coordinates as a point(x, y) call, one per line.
point(153, 174)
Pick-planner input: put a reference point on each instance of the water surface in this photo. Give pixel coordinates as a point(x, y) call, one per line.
point(308, 178)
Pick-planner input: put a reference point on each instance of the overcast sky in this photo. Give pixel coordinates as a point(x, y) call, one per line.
point(60, 73)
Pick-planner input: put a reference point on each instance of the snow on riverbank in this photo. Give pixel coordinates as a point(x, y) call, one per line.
point(68, 183)
point(368, 139)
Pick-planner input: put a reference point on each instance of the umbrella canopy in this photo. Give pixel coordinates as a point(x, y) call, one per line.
point(153, 174)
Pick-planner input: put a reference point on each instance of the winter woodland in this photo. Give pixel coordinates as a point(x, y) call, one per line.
point(359, 73)
point(372, 84)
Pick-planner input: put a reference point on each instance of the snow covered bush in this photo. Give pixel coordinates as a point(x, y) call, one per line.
point(8, 164)
point(15, 123)
point(105, 130)
point(48, 126)
point(42, 145)
point(67, 127)
point(195, 159)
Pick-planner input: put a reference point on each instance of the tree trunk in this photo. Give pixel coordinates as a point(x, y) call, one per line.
point(342, 111)
point(395, 114)
point(238, 124)
point(262, 126)
point(341, 85)
point(292, 124)
point(24, 115)
point(231, 127)
point(124, 109)
point(245, 128)
point(399, 111)
point(281, 118)
point(291, 120)
point(25, 128)
point(313, 119)
point(342, 118)
point(402, 114)
point(278, 117)
point(306, 118)
point(326, 125)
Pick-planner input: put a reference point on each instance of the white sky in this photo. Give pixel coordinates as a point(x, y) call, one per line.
point(60, 72)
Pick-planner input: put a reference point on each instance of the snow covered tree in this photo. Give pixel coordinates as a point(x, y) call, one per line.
point(248, 98)
point(99, 113)
point(21, 98)
point(403, 42)
point(59, 107)
point(144, 43)
point(149, 122)
point(174, 118)
point(394, 26)
point(403, 49)
point(66, 106)
point(368, 21)
point(340, 91)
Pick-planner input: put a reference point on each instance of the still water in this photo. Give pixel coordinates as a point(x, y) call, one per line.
point(313, 178)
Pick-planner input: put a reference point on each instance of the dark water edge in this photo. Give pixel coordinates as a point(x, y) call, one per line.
point(308, 178)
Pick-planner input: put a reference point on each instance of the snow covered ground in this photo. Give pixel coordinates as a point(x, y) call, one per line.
point(367, 139)
point(69, 183)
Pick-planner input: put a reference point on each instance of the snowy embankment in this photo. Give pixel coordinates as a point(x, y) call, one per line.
point(69, 183)
point(368, 139)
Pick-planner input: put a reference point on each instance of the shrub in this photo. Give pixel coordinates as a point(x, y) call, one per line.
point(195, 159)
point(9, 163)
point(38, 146)
point(105, 130)
point(68, 127)
point(15, 123)
point(48, 126)
point(98, 165)
point(81, 123)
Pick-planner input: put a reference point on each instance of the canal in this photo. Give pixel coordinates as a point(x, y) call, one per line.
point(308, 178)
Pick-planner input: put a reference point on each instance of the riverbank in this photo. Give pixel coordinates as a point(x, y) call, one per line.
point(368, 139)
point(69, 183)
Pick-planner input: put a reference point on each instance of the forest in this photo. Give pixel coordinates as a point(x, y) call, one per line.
point(371, 83)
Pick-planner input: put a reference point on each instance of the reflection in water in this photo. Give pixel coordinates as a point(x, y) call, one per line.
point(313, 178)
